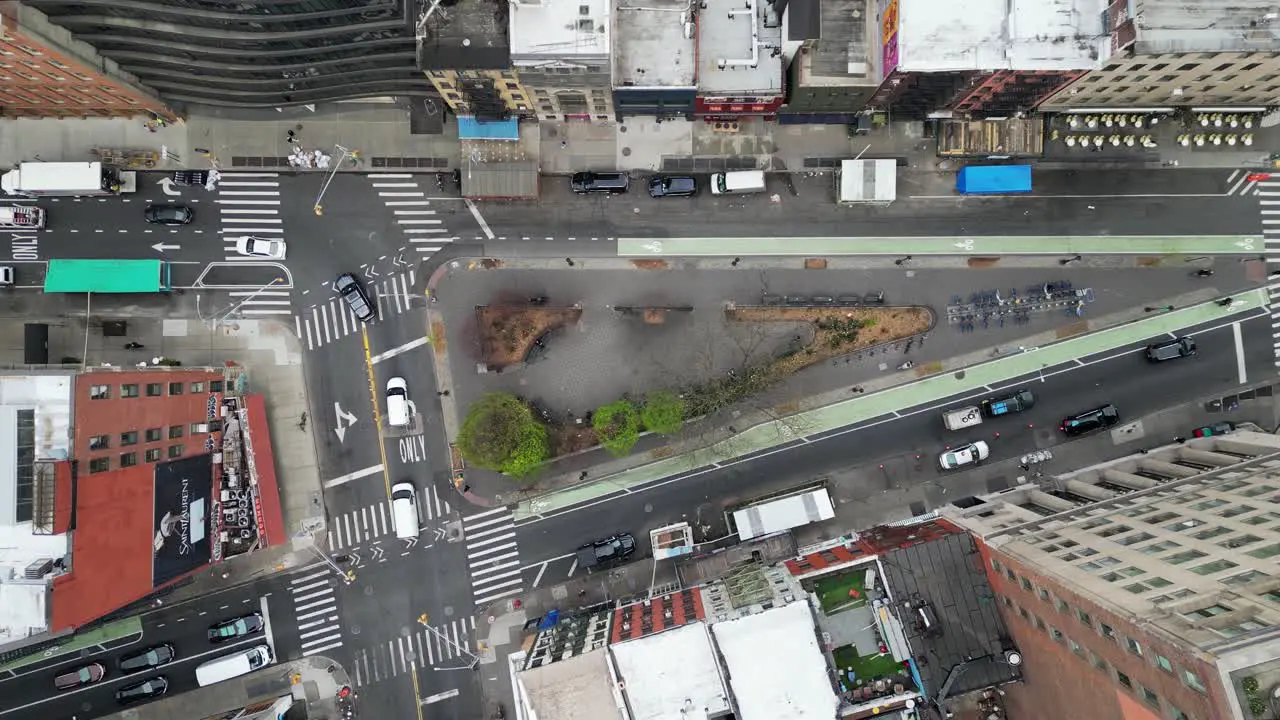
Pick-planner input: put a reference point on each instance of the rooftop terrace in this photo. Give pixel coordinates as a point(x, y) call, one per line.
point(463, 35)
point(944, 35)
point(559, 28)
point(650, 44)
point(739, 48)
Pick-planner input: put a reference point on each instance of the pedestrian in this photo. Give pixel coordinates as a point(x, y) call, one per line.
point(569, 262)
point(1179, 439)
point(582, 476)
point(1025, 467)
point(564, 144)
point(735, 262)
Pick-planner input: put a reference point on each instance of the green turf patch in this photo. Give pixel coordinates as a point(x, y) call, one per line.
point(866, 668)
point(833, 591)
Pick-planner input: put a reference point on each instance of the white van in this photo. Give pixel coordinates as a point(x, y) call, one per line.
point(404, 510)
point(397, 402)
point(738, 182)
point(233, 665)
point(965, 417)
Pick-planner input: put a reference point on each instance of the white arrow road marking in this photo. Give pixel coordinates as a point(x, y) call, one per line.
point(343, 416)
point(167, 185)
point(161, 247)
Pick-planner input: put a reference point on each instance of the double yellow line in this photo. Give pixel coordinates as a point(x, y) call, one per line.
point(377, 412)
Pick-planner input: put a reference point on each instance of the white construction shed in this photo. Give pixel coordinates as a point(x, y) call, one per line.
point(862, 182)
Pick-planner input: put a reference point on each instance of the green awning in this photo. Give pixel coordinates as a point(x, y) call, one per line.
point(106, 276)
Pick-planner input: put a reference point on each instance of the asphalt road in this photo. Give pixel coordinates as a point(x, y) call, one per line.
point(1120, 377)
point(29, 692)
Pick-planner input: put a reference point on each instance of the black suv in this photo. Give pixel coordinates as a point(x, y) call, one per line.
point(608, 551)
point(672, 186)
point(1171, 349)
point(149, 658)
point(1091, 420)
point(168, 214)
point(353, 293)
point(604, 182)
point(145, 690)
point(1015, 402)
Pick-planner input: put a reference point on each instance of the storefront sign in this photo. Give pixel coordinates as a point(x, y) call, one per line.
point(888, 37)
point(182, 493)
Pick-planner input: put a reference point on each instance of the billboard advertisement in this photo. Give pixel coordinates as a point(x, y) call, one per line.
point(888, 37)
point(182, 499)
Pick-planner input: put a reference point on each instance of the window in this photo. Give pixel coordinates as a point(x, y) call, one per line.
point(128, 459)
point(97, 465)
point(1177, 714)
point(1163, 663)
point(1186, 524)
point(1056, 634)
point(1211, 533)
point(1107, 631)
point(1185, 557)
point(129, 391)
point(1243, 578)
point(1040, 623)
point(1124, 680)
point(1256, 490)
point(175, 388)
point(155, 389)
point(1084, 618)
point(1172, 597)
point(1265, 551)
point(1025, 615)
point(129, 438)
point(1239, 541)
point(99, 392)
point(175, 432)
point(1157, 548)
point(1163, 517)
point(152, 455)
point(1215, 566)
point(1210, 504)
point(1115, 530)
point(1192, 681)
point(1237, 629)
point(1134, 646)
point(153, 434)
point(197, 387)
point(215, 386)
point(198, 428)
point(175, 451)
point(1237, 510)
point(1026, 584)
point(1262, 519)
point(1095, 523)
point(1075, 647)
point(1148, 696)
point(1062, 605)
point(995, 565)
point(1097, 661)
point(1135, 538)
point(1044, 595)
point(1008, 572)
point(99, 442)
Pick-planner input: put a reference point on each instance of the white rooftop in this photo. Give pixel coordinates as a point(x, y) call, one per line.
point(577, 688)
point(945, 35)
point(650, 47)
point(776, 668)
point(739, 48)
point(1179, 26)
point(555, 29)
point(672, 675)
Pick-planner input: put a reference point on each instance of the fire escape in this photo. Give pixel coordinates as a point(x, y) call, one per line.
point(483, 98)
point(1008, 92)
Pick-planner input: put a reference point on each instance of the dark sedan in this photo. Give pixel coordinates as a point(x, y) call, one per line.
point(169, 214)
point(145, 690)
point(235, 628)
point(672, 186)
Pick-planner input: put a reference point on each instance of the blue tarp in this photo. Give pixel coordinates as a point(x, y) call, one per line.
point(993, 179)
point(470, 128)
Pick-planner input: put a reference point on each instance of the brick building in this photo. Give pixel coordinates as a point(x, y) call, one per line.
point(125, 418)
point(47, 72)
point(1145, 587)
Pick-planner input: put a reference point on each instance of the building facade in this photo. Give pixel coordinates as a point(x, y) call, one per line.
point(1150, 581)
point(654, 63)
point(464, 50)
point(740, 65)
point(47, 73)
point(1009, 59)
point(830, 74)
point(254, 54)
point(1162, 55)
point(126, 418)
point(561, 53)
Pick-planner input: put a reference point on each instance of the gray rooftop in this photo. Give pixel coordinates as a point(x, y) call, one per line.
point(842, 46)
point(1172, 26)
point(463, 35)
point(650, 47)
point(740, 48)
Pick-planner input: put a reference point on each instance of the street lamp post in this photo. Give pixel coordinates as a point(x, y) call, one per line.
point(475, 659)
point(348, 576)
point(318, 208)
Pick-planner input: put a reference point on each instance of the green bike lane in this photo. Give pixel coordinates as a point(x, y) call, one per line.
point(959, 245)
point(106, 635)
point(861, 408)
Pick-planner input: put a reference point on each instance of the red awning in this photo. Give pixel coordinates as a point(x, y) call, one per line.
point(267, 505)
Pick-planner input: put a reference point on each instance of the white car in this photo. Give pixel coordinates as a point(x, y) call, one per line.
point(970, 454)
point(251, 246)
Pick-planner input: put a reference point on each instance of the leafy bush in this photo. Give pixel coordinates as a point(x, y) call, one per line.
point(500, 433)
point(663, 412)
point(617, 426)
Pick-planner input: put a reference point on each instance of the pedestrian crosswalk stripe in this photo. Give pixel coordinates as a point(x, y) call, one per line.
point(446, 646)
point(315, 607)
point(372, 522)
point(493, 556)
point(253, 210)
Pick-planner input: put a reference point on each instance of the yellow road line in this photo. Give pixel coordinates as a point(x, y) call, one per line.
point(377, 414)
point(417, 699)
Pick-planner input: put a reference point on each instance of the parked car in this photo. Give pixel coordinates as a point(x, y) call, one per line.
point(613, 183)
point(145, 690)
point(1015, 402)
point(152, 657)
point(969, 454)
point(672, 186)
point(250, 246)
point(1171, 349)
point(169, 214)
point(1091, 420)
point(6, 275)
point(1221, 428)
point(235, 628)
point(349, 287)
point(609, 551)
point(81, 676)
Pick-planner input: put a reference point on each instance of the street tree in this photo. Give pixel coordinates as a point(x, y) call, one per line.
point(617, 426)
point(501, 433)
point(663, 412)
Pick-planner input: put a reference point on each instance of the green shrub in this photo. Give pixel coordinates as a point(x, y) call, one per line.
point(617, 426)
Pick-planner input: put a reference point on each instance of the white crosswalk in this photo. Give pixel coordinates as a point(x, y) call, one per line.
point(371, 522)
point(1242, 182)
point(315, 607)
point(493, 560)
point(249, 204)
point(412, 210)
point(333, 320)
point(1269, 203)
point(435, 646)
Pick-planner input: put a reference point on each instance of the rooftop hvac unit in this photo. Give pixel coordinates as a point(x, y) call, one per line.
point(38, 569)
